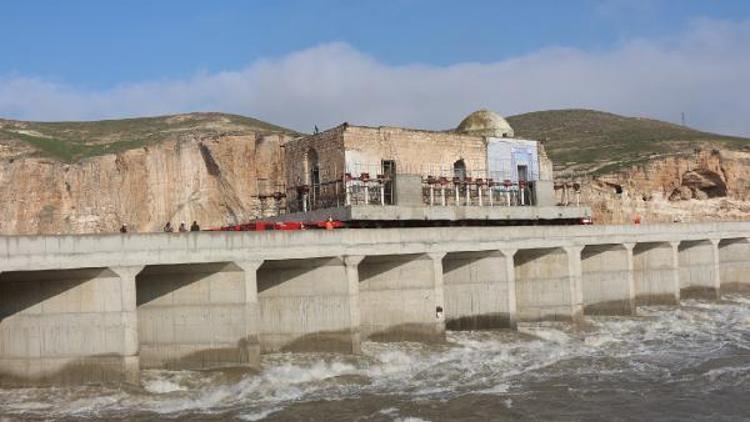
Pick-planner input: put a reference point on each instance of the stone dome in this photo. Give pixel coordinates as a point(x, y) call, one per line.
point(485, 123)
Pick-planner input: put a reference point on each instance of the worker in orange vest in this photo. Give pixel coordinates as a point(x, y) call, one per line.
point(329, 223)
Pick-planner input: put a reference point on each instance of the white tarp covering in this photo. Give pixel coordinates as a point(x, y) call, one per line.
point(358, 162)
point(504, 155)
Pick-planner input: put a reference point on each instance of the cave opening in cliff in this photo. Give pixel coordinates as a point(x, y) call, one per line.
point(700, 184)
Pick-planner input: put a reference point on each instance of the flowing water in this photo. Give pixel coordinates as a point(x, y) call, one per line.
point(671, 364)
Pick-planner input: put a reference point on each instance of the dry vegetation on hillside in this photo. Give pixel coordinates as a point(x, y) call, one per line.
point(594, 141)
point(72, 141)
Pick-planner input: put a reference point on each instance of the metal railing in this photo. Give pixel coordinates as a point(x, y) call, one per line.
point(441, 191)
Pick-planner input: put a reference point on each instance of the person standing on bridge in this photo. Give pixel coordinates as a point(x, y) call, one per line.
point(124, 228)
point(168, 227)
point(195, 227)
point(183, 227)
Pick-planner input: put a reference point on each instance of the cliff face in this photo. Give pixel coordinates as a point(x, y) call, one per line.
point(709, 185)
point(214, 180)
point(219, 169)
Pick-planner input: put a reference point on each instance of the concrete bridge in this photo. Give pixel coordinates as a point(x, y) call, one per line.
point(97, 308)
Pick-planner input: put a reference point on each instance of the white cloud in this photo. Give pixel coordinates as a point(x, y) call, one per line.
point(705, 72)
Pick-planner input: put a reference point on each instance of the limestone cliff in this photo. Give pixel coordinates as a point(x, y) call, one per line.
point(708, 185)
point(633, 165)
point(213, 178)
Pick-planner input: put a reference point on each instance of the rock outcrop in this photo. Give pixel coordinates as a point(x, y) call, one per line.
point(708, 185)
point(215, 180)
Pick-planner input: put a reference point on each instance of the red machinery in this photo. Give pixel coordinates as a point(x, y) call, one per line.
point(259, 226)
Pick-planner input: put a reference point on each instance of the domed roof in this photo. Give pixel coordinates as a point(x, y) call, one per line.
point(485, 123)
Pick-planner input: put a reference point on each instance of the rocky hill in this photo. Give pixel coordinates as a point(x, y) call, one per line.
point(83, 177)
point(630, 166)
point(596, 142)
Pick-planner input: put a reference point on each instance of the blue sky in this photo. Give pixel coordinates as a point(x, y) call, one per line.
point(95, 59)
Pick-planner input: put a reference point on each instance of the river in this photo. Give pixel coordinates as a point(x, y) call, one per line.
point(666, 364)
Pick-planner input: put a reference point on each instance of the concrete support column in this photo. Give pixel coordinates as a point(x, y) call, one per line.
point(576, 282)
point(352, 276)
point(510, 280)
point(607, 275)
point(631, 278)
point(252, 316)
point(676, 270)
point(655, 269)
point(130, 314)
point(717, 267)
point(438, 286)
point(699, 269)
point(734, 263)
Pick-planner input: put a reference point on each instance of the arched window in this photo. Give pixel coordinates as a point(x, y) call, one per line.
point(459, 169)
point(313, 175)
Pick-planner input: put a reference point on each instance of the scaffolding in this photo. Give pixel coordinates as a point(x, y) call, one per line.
point(371, 184)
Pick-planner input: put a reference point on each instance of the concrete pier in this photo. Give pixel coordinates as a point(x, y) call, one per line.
point(608, 283)
point(545, 286)
point(194, 316)
point(401, 298)
point(66, 327)
point(699, 269)
point(476, 289)
point(734, 264)
point(306, 305)
point(79, 309)
point(655, 272)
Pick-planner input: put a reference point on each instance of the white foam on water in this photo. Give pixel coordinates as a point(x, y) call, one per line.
point(161, 386)
point(259, 415)
point(654, 345)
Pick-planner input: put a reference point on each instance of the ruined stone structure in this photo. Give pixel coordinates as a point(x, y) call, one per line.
point(479, 164)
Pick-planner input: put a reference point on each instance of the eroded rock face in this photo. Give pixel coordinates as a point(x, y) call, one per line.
point(215, 181)
point(706, 186)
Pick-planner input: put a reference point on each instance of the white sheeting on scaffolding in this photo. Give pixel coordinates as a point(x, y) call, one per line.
point(358, 162)
point(504, 155)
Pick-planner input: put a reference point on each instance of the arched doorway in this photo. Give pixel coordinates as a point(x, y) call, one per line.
point(459, 169)
point(313, 176)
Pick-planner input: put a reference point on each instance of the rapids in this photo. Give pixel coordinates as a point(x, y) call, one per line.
point(687, 363)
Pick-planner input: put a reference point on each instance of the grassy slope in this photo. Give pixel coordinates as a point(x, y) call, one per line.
point(72, 141)
point(603, 142)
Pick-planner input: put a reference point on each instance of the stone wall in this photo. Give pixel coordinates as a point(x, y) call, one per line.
point(329, 148)
point(415, 151)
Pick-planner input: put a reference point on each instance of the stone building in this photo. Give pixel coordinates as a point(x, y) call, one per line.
point(390, 173)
